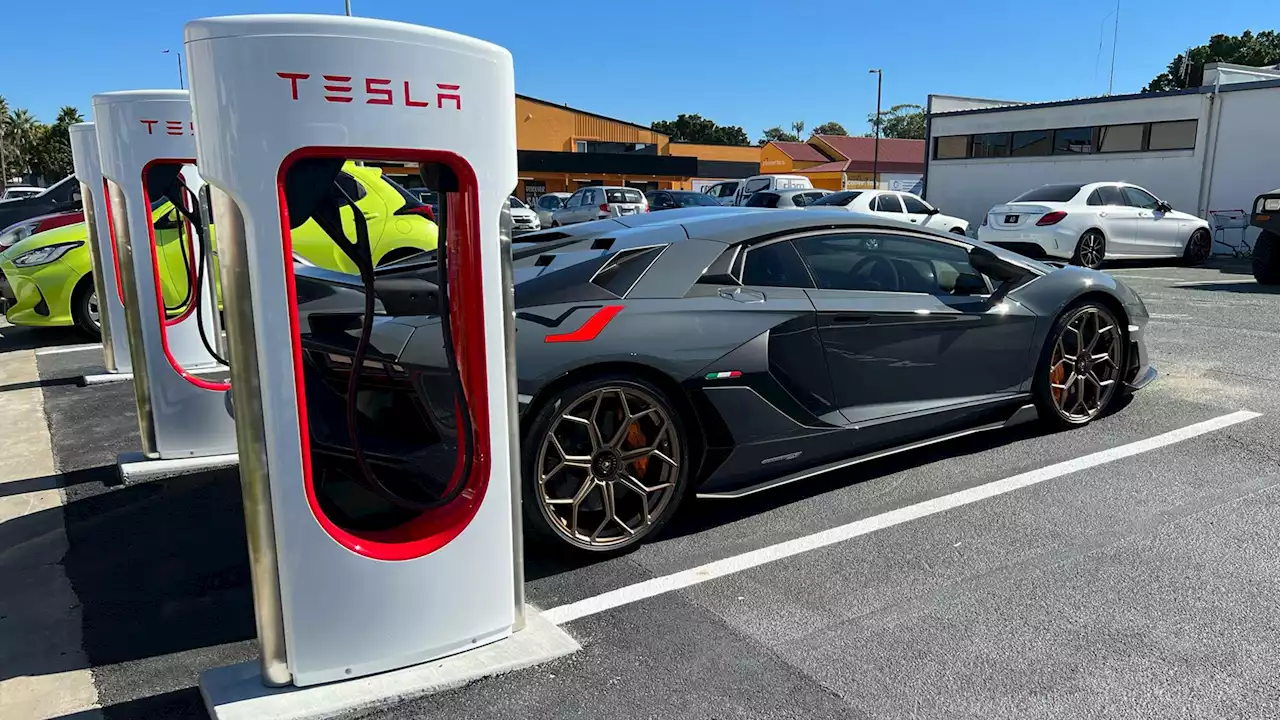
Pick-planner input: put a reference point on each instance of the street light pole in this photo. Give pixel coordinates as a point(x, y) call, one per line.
point(182, 77)
point(875, 162)
point(348, 8)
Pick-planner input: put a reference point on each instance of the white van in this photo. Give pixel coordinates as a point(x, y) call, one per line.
point(757, 183)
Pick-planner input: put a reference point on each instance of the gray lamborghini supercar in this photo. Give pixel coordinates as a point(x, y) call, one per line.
point(720, 352)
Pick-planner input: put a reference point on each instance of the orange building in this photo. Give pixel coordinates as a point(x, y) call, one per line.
point(562, 149)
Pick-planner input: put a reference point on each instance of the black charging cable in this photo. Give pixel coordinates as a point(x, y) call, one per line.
point(199, 230)
point(360, 254)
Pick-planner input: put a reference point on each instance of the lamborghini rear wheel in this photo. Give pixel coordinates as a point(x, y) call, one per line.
point(606, 463)
point(1081, 366)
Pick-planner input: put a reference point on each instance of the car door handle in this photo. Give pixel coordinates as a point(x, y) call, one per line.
point(1102, 214)
point(370, 215)
point(913, 220)
point(851, 319)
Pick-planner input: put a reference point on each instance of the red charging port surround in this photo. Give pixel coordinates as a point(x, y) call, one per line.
point(434, 529)
point(165, 322)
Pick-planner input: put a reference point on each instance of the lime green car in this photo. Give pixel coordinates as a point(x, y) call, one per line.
point(46, 277)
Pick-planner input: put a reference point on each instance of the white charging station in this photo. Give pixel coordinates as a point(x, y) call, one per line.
point(332, 601)
point(106, 285)
point(183, 417)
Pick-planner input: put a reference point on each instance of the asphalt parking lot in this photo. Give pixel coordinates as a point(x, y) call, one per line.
point(1121, 578)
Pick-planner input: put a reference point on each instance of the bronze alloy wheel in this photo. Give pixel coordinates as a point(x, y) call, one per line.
point(607, 467)
point(1085, 364)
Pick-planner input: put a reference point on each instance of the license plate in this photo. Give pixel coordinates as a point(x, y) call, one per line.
point(626, 211)
point(1010, 219)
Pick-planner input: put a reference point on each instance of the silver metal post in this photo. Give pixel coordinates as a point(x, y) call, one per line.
point(348, 8)
point(1115, 36)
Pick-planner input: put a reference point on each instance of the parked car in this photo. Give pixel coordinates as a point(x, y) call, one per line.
point(599, 202)
point(1092, 222)
point(548, 204)
point(523, 219)
point(62, 196)
point(38, 224)
point(672, 199)
point(758, 183)
point(17, 192)
point(45, 278)
point(899, 205)
point(724, 192)
point(824, 339)
point(786, 199)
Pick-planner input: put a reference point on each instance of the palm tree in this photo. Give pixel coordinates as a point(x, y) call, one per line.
point(24, 135)
point(4, 137)
point(798, 127)
point(68, 116)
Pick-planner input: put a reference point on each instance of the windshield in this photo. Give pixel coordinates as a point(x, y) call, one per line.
point(840, 199)
point(628, 195)
point(692, 199)
point(1049, 193)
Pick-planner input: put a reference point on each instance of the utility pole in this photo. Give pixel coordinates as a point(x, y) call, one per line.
point(1115, 36)
point(875, 161)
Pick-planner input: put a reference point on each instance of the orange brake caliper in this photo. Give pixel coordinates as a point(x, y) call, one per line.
point(636, 439)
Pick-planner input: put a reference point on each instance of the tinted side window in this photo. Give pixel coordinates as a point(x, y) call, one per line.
point(574, 200)
point(1139, 198)
point(1095, 198)
point(1110, 195)
point(756, 185)
point(351, 187)
point(914, 204)
point(888, 263)
point(620, 274)
point(763, 199)
point(887, 203)
point(775, 265)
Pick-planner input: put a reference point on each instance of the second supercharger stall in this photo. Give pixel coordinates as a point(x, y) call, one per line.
point(111, 322)
point(341, 591)
point(147, 148)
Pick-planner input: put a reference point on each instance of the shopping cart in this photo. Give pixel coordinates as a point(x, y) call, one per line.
point(1225, 220)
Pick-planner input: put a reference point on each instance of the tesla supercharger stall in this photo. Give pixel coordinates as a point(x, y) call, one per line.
point(147, 148)
point(352, 576)
point(111, 323)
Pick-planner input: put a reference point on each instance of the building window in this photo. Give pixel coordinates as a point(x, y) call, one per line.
point(991, 145)
point(1030, 143)
point(951, 148)
point(1122, 138)
point(596, 146)
point(1179, 135)
point(1073, 141)
point(1129, 138)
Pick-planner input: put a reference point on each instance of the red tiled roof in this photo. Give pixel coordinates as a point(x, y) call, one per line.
point(892, 150)
point(833, 166)
point(803, 152)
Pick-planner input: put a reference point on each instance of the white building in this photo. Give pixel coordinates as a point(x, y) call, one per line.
point(1208, 151)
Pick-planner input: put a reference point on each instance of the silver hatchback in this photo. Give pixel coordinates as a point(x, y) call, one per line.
point(598, 203)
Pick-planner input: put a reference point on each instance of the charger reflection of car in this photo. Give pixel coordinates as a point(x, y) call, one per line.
point(823, 338)
point(47, 279)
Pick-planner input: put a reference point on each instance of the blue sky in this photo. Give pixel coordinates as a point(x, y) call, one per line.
point(750, 63)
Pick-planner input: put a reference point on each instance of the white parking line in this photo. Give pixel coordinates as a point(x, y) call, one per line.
point(738, 563)
point(69, 349)
point(1237, 281)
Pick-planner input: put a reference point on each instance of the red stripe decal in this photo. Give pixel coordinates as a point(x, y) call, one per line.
point(591, 328)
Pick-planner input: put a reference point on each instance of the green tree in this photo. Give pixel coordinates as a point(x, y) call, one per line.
point(23, 139)
point(776, 134)
point(797, 128)
point(830, 128)
point(900, 121)
point(53, 158)
point(1187, 69)
point(697, 129)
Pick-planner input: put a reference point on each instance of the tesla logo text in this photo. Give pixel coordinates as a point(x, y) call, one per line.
point(376, 91)
point(169, 127)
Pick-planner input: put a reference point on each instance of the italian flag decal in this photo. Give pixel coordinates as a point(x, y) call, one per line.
point(724, 375)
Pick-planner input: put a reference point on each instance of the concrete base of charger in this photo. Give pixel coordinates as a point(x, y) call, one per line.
point(134, 467)
point(236, 692)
